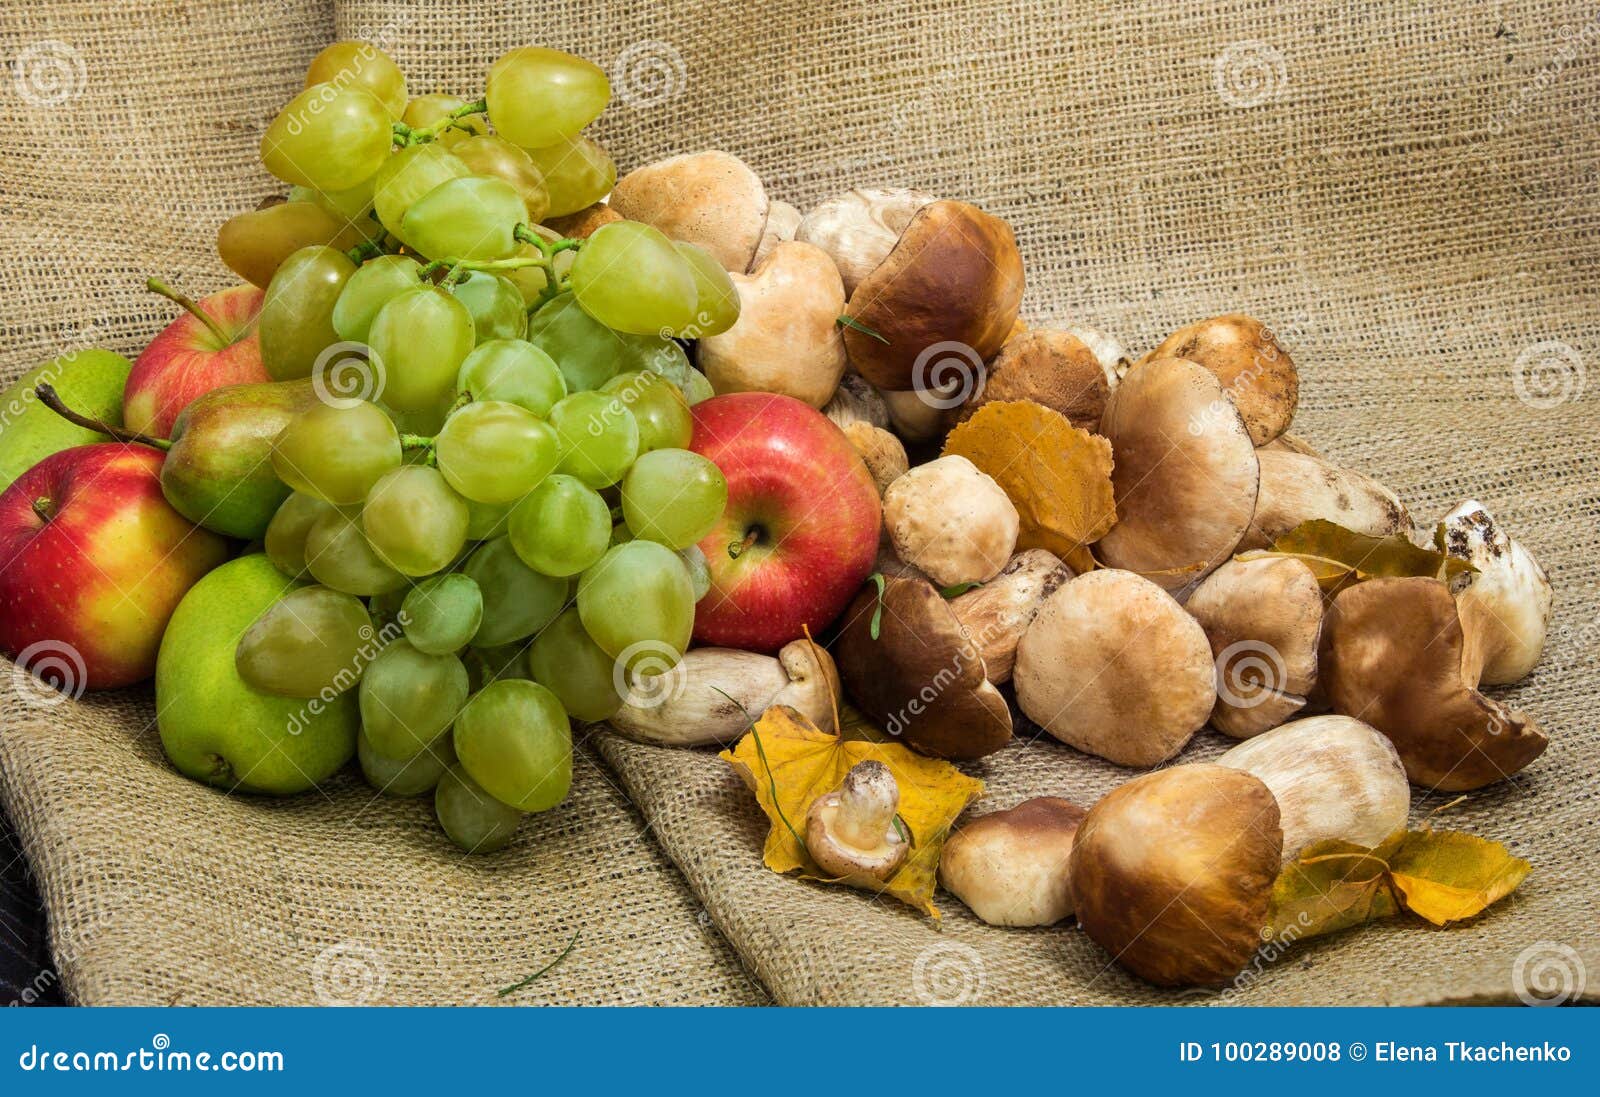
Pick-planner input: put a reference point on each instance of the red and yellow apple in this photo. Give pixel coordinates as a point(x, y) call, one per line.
point(800, 532)
point(93, 560)
point(214, 343)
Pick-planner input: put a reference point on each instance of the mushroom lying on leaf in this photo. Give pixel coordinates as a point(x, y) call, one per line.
point(1298, 488)
point(1396, 655)
point(1505, 605)
point(1010, 867)
point(1256, 372)
point(854, 833)
point(951, 521)
point(860, 227)
point(710, 199)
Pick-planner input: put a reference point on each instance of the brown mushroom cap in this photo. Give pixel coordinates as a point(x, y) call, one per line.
point(1185, 474)
point(1010, 868)
point(1263, 619)
point(996, 614)
point(1113, 666)
point(1395, 656)
point(880, 451)
point(1172, 873)
point(1256, 372)
point(711, 199)
point(955, 276)
point(851, 832)
point(920, 678)
point(1051, 368)
point(1297, 487)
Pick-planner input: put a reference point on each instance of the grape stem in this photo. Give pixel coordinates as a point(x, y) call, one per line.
point(545, 261)
point(416, 135)
point(364, 251)
point(48, 397)
point(192, 307)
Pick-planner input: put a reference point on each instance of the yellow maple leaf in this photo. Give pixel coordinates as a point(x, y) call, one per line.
point(789, 762)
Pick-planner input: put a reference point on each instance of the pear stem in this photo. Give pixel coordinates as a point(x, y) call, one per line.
point(47, 397)
point(189, 304)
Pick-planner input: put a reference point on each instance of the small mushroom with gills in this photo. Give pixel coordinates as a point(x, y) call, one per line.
point(1505, 605)
point(1297, 487)
point(1010, 867)
point(997, 613)
point(951, 521)
point(854, 833)
point(1255, 370)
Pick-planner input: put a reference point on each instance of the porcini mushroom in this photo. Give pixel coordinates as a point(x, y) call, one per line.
point(1263, 619)
point(853, 833)
point(951, 521)
point(920, 416)
point(953, 277)
point(1051, 368)
point(1113, 666)
point(582, 224)
point(1505, 605)
point(1184, 472)
point(855, 400)
point(1010, 867)
point(1334, 777)
point(785, 340)
point(782, 220)
point(1172, 873)
point(860, 227)
point(1297, 487)
point(710, 199)
point(1395, 654)
point(995, 614)
point(1255, 370)
point(710, 695)
point(905, 661)
point(1108, 351)
point(880, 451)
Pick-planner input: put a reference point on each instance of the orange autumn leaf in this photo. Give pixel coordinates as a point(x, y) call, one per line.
point(789, 762)
point(1058, 476)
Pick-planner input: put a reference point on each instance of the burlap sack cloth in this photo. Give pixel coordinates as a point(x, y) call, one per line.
point(1411, 196)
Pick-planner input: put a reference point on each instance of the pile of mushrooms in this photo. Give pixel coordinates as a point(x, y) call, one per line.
point(1341, 696)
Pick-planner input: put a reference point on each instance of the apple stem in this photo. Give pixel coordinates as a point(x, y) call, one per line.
point(47, 397)
point(44, 508)
point(191, 306)
point(737, 549)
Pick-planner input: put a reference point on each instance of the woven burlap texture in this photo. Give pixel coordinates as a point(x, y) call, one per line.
point(1409, 195)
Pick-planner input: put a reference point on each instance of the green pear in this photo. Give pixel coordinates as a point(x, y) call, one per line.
point(90, 380)
point(218, 473)
point(214, 727)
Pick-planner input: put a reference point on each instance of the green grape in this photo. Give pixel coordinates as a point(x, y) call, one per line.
point(590, 354)
point(539, 96)
point(255, 243)
point(377, 283)
point(336, 452)
point(716, 301)
point(513, 738)
point(296, 320)
point(409, 698)
point(514, 372)
point(495, 304)
point(414, 521)
point(406, 777)
point(328, 138)
point(577, 173)
point(361, 65)
point(486, 521)
point(629, 277)
point(489, 155)
point(420, 338)
point(696, 387)
point(338, 556)
point(471, 818)
point(673, 496)
point(517, 601)
point(561, 526)
point(474, 217)
point(425, 110)
point(285, 541)
point(597, 435)
point(495, 452)
point(638, 603)
point(658, 406)
point(352, 206)
point(699, 570)
point(408, 175)
point(441, 614)
point(308, 644)
point(621, 534)
point(569, 664)
point(485, 665)
point(425, 422)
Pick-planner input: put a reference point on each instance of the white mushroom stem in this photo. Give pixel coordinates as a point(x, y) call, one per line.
point(1297, 487)
point(997, 613)
point(856, 401)
point(1107, 349)
point(1505, 607)
point(869, 797)
point(852, 833)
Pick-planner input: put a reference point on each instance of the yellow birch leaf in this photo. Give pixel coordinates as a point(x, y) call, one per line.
point(1333, 885)
point(789, 762)
point(1446, 876)
point(1341, 557)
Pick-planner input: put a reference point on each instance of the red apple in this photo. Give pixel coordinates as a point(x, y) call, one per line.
point(800, 532)
point(214, 343)
point(93, 560)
